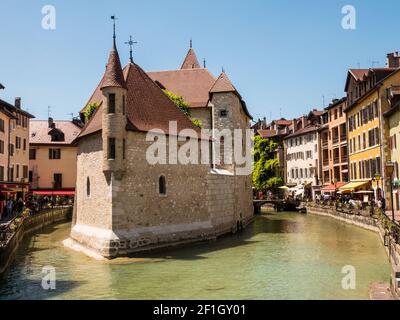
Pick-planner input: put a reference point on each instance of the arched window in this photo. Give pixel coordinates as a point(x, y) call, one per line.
point(88, 186)
point(162, 185)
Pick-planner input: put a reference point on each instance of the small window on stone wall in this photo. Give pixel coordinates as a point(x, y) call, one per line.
point(88, 186)
point(223, 113)
point(162, 186)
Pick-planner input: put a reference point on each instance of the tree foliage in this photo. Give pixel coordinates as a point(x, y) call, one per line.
point(179, 102)
point(197, 122)
point(266, 165)
point(183, 105)
point(90, 110)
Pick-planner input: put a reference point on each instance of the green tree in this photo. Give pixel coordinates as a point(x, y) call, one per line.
point(197, 123)
point(90, 110)
point(266, 165)
point(179, 102)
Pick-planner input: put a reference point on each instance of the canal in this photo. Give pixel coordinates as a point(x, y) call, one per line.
point(280, 256)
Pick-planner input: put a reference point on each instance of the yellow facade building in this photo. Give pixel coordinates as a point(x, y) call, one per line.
point(368, 95)
point(392, 120)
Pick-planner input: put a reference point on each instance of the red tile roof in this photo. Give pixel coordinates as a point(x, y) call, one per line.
point(302, 131)
point(222, 84)
point(358, 74)
point(39, 131)
point(282, 122)
point(267, 133)
point(147, 107)
point(190, 61)
point(192, 84)
point(113, 76)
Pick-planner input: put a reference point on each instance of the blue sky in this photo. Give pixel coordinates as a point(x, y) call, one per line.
point(283, 56)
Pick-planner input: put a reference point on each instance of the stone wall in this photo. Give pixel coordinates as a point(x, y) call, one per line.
point(204, 115)
point(130, 214)
point(29, 225)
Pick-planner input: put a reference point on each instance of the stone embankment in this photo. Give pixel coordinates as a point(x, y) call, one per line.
point(22, 226)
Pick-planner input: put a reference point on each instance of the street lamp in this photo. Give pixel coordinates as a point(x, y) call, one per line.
point(389, 171)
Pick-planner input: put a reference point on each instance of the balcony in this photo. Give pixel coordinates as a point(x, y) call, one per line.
point(343, 138)
point(335, 140)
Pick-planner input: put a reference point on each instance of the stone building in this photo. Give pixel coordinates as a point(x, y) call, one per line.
point(334, 153)
point(126, 203)
point(14, 149)
point(52, 157)
point(196, 85)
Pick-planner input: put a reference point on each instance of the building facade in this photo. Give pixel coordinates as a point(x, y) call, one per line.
point(302, 154)
point(14, 149)
point(368, 99)
point(334, 153)
point(392, 119)
point(52, 157)
point(126, 203)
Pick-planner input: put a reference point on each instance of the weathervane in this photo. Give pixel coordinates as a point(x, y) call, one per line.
point(131, 43)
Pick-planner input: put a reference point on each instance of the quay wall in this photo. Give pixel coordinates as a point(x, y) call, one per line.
point(29, 225)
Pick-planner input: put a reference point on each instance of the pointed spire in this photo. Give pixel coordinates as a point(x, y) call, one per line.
point(113, 77)
point(113, 18)
point(191, 61)
point(223, 84)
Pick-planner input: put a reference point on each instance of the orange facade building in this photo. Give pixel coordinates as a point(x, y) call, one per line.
point(334, 152)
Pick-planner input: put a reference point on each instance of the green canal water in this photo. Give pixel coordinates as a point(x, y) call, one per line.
point(280, 256)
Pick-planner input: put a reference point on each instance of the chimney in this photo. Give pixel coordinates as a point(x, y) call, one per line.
point(17, 103)
point(51, 122)
point(393, 60)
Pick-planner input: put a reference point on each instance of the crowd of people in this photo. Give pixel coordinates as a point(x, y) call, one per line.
point(354, 200)
point(11, 207)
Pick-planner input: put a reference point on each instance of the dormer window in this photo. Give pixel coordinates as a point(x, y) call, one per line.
point(111, 103)
point(57, 136)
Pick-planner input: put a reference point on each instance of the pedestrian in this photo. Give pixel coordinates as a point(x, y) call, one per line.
point(10, 206)
point(20, 205)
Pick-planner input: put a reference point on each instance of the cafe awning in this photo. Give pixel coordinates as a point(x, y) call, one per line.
point(54, 192)
point(332, 187)
point(352, 186)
